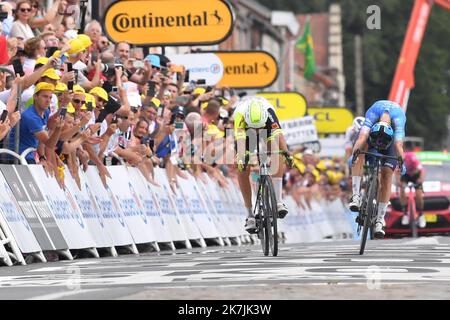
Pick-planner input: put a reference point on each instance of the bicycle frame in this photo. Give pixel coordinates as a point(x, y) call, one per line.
point(369, 203)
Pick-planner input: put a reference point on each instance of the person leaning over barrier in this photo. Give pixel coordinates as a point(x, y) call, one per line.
point(33, 123)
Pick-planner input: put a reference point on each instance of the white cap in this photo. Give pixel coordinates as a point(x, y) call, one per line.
point(71, 34)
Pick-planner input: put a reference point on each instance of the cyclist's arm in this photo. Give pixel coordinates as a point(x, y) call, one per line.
point(362, 138)
point(399, 149)
point(239, 132)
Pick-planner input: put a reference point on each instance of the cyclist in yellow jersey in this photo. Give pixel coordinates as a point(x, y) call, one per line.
point(251, 116)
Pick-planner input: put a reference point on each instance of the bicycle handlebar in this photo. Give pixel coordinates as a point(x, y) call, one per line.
point(376, 155)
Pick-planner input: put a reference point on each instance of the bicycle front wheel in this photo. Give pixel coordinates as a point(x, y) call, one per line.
point(271, 216)
point(263, 233)
point(370, 212)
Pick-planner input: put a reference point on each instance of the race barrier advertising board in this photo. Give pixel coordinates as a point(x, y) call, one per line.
point(38, 215)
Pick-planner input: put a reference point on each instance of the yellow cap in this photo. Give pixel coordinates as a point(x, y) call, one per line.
point(42, 60)
point(61, 87)
point(43, 86)
point(204, 105)
point(78, 89)
point(100, 92)
point(199, 91)
point(156, 101)
point(225, 101)
point(76, 46)
point(85, 39)
point(51, 73)
point(89, 98)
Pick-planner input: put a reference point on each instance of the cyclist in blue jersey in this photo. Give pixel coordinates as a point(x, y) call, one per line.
point(384, 129)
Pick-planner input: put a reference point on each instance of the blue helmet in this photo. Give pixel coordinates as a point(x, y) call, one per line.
point(381, 135)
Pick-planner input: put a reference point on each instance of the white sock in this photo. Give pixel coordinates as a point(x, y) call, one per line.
point(278, 188)
point(381, 211)
point(356, 184)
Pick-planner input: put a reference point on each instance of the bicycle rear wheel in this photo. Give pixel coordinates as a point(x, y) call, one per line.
point(370, 212)
point(271, 216)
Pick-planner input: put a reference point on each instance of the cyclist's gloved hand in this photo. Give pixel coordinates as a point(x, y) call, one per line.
point(241, 161)
point(289, 159)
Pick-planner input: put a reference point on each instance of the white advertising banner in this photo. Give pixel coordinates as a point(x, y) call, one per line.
point(184, 213)
point(14, 217)
point(135, 217)
point(108, 205)
point(208, 202)
point(67, 213)
point(90, 210)
point(299, 131)
point(168, 211)
point(200, 214)
point(150, 206)
point(221, 203)
point(207, 66)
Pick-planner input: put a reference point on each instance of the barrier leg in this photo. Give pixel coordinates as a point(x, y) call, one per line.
point(40, 256)
point(113, 251)
point(66, 253)
point(93, 251)
point(4, 254)
point(6, 234)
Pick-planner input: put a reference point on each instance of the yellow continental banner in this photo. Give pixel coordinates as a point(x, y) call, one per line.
point(247, 69)
point(289, 105)
point(169, 22)
point(331, 120)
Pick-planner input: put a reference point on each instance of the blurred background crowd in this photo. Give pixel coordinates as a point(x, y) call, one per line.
point(77, 99)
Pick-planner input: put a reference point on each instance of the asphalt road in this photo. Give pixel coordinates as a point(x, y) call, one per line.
point(390, 269)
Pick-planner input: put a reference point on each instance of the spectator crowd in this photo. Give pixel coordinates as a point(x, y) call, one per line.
point(77, 99)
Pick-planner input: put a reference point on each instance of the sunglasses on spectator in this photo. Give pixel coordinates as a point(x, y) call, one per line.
point(106, 43)
point(78, 101)
point(25, 9)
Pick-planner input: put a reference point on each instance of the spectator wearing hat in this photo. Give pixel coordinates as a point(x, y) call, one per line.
point(33, 124)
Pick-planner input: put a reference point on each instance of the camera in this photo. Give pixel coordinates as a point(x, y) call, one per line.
point(108, 69)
